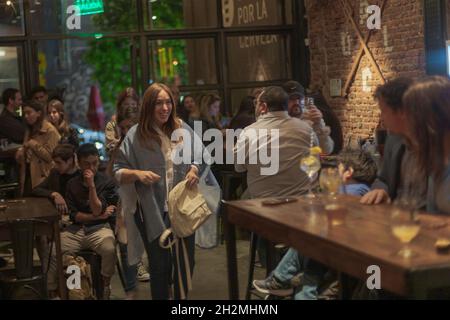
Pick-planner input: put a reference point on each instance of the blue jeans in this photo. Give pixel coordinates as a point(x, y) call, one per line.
point(129, 272)
point(313, 273)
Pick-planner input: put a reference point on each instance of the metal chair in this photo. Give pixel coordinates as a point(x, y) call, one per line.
point(25, 281)
point(230, 180)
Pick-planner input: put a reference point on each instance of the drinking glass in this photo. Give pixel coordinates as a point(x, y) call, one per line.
point(404, 226)
point(331, 180)
point(310, 164)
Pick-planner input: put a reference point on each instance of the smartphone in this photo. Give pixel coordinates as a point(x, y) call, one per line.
point(309, 103)
point(277, 201)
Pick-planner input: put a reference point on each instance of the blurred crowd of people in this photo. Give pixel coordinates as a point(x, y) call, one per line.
point(126, 203)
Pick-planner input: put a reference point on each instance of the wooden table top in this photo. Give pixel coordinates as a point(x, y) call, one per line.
point(28, 208)
point(364, 239)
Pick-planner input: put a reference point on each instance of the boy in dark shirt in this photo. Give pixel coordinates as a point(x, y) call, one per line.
point(54, 186)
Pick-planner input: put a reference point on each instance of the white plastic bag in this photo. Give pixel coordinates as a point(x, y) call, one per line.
point(206, 235)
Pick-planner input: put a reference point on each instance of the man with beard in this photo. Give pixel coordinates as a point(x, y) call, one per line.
point(312, 114)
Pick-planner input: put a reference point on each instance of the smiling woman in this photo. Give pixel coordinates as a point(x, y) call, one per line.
point(144, 160)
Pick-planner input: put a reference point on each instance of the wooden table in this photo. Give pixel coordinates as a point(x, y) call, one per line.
point(37, 208)
point(364, 239)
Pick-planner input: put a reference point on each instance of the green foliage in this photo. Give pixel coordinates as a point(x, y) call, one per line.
point(169, 15)
point(110, 57)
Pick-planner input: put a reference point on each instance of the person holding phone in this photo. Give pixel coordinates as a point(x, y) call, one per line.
point(303, 107)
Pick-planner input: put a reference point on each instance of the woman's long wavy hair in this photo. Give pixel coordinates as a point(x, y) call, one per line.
point(63, 125)
point(38, 107)
point(205, 103)
point(427, 105)
point(146, 132)
point(127, 93)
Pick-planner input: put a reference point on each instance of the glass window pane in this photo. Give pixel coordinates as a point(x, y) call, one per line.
point(247, 13)
point(11, 18)
point(9, 68)
point(259, 57)
point(85, 18)
point(71, 67)
point(184, 62)
point(180, 14)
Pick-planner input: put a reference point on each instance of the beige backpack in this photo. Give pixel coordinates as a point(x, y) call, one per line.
point(188, 210)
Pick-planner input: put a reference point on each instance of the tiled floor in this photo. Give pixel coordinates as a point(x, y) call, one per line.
point(210, 275)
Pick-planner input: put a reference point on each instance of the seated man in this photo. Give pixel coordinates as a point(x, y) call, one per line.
point(11, 125)
point(54, 186)
point(289, 138)
point(91, 200)
point(358, 171)
point(310, 113)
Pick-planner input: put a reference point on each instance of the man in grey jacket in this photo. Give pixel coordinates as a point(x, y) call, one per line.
point(290, 139)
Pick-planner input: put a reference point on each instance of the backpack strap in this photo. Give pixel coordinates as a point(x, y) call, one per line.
point(183, 292)
point(163, 238)
point(180, 278)
point(187, 266)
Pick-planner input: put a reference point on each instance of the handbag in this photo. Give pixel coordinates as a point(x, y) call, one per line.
point(206, 236)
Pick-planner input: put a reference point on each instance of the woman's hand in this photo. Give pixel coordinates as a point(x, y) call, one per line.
point(376, 196)
point(192, 177)
point(20, 155)
point(148, 177)
point(31, 144)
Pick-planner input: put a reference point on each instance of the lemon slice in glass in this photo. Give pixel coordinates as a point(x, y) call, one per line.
point(315, 150)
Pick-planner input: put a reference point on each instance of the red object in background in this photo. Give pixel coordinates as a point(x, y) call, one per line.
point(96, 115)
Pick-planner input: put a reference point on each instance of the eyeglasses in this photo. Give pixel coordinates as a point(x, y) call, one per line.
point(160, 103)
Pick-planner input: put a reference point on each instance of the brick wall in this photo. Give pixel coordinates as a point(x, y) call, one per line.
point(398, 48)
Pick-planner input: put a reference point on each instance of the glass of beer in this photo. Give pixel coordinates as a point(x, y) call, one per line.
point(330, 180)
point(404, 227)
